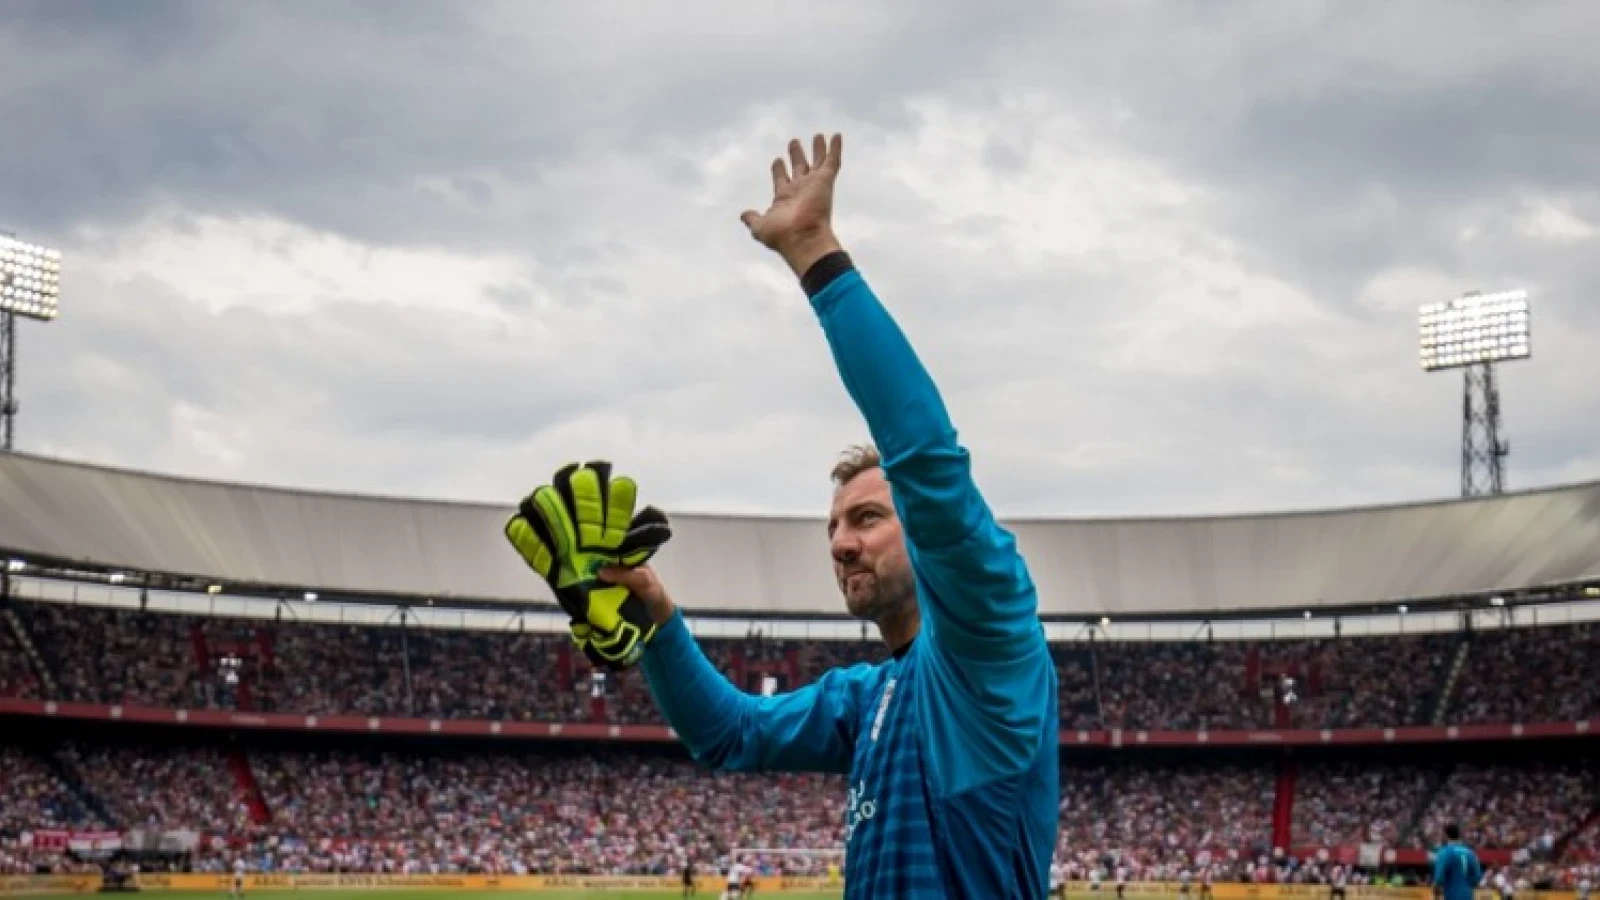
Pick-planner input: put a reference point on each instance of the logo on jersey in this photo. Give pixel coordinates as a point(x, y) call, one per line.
point(857, 809)
point(883, 708)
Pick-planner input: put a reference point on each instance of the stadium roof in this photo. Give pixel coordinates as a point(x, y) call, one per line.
point(112, 519)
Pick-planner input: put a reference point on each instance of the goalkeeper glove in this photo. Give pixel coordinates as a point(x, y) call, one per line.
point(568, 530)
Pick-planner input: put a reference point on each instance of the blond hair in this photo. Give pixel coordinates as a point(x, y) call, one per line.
point(853, 462)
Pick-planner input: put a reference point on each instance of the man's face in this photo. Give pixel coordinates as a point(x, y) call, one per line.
point(869, 551)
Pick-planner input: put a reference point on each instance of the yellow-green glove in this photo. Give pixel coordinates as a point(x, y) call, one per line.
point(569, 529)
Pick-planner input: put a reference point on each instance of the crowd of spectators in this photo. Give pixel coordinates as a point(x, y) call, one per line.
point(1584, 847)
point(105, 655)
point(1344, 804)
point(1182, 686)
point(33, 797)
point(1524, 807)
point(1077, 699)
point(624, 813)
point(1530, 675)
point(159, 791)
point(125, 656)
point(18, 677)
point(430, 808)
point(1359, 680)
point(1158, 812)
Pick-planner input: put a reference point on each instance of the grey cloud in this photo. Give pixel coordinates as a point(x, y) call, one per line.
point(331, 112)
point(1334, 141)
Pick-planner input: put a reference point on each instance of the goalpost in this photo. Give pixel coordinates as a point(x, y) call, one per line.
point(814, 861)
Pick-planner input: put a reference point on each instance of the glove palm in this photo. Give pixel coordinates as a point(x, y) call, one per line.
point(567, 530)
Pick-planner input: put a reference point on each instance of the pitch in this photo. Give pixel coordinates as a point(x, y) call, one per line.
point(391, 894)
point(396, 894)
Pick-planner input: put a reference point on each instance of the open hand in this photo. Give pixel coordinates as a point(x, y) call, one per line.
point(799, 223)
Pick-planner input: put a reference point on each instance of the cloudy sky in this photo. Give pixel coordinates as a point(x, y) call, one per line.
point(1162, 256)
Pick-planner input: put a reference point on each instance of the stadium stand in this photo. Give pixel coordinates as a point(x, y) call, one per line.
point(1264, 758)
point(18, 676)
point(1530, 675)
point(413, 807)
point(504, 810)
point(121, 656)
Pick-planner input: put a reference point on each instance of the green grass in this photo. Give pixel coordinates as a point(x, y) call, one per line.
point(439, 894)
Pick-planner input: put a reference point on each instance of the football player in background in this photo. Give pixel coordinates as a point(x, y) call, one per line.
point(1340, 879)
point(1456, 870)
point(737, 876)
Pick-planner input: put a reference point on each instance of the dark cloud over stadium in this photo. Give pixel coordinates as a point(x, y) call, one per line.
point(1163, 258)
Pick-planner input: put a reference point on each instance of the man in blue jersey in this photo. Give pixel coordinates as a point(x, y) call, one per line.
point(1456, 871)
point(951, 745)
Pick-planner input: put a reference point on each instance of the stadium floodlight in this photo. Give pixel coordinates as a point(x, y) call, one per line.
point(30, 279)
point(1474, 329)
point(1472, 333)
point(30, 286)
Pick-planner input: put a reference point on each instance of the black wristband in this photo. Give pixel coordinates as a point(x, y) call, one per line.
point(823, 272)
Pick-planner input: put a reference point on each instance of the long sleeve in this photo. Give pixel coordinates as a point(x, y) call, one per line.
point(981, 598)
point(990, 679)
point(809, 730)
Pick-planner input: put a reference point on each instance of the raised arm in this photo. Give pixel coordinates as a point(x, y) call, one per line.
point(979, 600)
point(808, 730)
point(980, 596)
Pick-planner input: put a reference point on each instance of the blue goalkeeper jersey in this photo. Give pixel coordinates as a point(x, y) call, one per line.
point(951, 747)
point(1456, 871)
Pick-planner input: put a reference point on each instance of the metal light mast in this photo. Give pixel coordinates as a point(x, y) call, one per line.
point(1472, 333)
point(30, 286)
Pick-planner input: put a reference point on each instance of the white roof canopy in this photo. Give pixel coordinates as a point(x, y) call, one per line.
point(243, 534)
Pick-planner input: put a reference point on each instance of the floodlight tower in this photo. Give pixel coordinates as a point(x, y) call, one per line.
point(30, 286)
point(1472, 333)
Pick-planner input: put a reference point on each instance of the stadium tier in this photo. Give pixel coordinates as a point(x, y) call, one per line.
point(324, 807)
point(225, 721)
point(127, 658)
point(308, 804)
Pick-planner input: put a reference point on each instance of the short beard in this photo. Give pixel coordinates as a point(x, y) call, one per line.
point(891, 595)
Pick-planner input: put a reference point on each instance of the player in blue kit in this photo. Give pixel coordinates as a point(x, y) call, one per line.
point(951, 745)
point(1456, 870)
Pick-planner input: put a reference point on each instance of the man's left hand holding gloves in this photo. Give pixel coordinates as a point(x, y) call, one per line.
point(571, 528)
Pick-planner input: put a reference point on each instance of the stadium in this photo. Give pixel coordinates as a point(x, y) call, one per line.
point(355, 691)
point(1131, 578)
